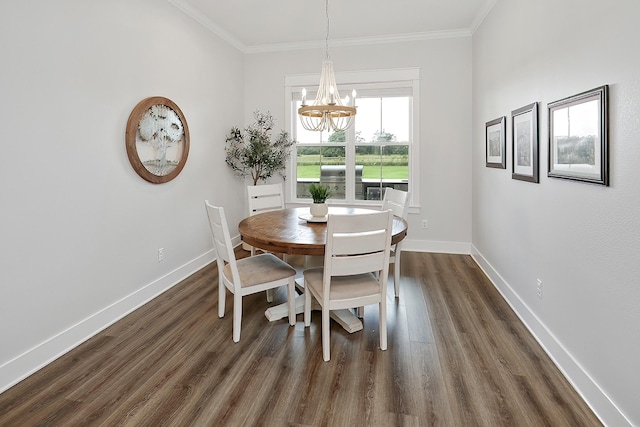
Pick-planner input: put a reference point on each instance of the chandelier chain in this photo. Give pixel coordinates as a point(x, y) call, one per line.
point(326, 39)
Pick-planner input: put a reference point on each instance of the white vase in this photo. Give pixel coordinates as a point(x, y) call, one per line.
point(319, 209)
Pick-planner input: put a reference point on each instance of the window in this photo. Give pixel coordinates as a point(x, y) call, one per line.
point(378, 151)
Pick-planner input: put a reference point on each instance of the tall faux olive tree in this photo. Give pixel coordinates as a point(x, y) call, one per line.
point(253, 152)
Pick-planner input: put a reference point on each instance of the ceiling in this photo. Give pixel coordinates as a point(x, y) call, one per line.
point(269, 25)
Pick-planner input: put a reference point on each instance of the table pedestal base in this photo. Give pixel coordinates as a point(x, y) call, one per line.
point(345, 317)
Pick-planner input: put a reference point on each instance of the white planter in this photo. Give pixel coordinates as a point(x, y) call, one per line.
point(319, 209)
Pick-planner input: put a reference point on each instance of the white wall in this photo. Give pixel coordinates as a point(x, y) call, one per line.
point(79, 229)
point(582, 240)
point(445, 123)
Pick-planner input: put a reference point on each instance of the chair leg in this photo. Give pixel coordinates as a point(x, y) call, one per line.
point(307, 306)
point(222, 294)
point(326, 339)
point(360, 312)
point(237, 316)
point(383, 324)
point(396, 272)
point(291, 298)
point(396, 278)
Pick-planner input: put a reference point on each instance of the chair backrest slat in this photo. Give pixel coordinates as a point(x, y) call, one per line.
point(266, 203)
point(263, 198)
point(348, 244)
point(397, 201)
point(222, 249)
point(358, 264)
point(222, 240)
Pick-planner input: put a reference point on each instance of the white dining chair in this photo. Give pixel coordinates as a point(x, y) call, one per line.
point(397, 201)
point(247, 275)
point(356, 266)
point(265, 198)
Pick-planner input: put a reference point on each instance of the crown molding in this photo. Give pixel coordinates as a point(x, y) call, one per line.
point(208, 24)
point(480, 17)
point(360, 41)
point(183, 6)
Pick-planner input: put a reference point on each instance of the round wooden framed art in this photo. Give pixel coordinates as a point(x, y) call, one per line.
point(157, 139)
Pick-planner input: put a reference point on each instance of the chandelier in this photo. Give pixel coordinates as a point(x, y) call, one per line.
point(328, 110)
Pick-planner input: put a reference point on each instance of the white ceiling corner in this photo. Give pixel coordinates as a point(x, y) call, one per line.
point(206, 22)
point(481, 15)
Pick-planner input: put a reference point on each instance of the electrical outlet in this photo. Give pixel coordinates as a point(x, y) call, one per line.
point(425, 223)
point(539, 288)
point(160, 254)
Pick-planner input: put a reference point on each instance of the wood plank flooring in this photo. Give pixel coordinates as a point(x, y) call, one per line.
point(457, 356)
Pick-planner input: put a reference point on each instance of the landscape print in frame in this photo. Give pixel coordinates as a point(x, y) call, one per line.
point(495, 139)
point(524, 140)
point(578, 137)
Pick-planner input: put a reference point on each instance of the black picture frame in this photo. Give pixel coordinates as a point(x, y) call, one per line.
point(496, 143)
point(578, 137)
point(524, 143)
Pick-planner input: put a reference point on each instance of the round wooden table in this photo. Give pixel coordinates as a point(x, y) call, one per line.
point(284, 231)
point(287, 231)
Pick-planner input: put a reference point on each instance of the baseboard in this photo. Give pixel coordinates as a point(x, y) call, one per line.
point(589, 390)
point(32, 360)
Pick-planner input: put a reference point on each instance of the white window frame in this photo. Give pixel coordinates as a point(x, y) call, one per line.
point(394, 78)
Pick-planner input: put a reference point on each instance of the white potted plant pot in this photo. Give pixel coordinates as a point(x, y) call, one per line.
point(319, 209)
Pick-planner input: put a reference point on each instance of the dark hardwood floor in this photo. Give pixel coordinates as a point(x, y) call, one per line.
point(457, 356)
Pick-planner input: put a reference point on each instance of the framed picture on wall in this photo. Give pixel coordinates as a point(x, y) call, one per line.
point(578, 137)
point(496, 146)
point(524, 143)
point(157, 139)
